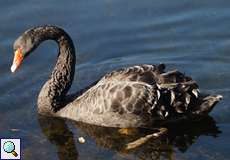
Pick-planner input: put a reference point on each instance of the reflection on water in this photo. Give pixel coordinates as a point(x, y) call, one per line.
point(59, 135)
point(180, 136)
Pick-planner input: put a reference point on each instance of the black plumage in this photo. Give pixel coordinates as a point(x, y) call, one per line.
point(135, 96)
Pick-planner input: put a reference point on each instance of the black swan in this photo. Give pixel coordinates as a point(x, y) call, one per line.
point(137, 96)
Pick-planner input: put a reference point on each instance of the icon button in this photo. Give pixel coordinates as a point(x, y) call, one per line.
point(10, 149)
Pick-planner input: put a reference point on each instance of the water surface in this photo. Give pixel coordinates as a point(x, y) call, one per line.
point(192, 36)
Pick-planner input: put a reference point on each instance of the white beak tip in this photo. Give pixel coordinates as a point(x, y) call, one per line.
point(13, 68)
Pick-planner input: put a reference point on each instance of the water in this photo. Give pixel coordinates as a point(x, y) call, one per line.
point(192, 36)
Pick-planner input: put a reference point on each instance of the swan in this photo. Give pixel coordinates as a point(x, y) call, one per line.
point(135, 96)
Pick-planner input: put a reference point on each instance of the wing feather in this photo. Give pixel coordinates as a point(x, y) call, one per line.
point(140, 73)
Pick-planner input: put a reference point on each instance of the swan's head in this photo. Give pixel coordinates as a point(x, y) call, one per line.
point(23, 46)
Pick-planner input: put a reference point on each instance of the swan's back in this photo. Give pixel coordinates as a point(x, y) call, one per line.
point(139, 96)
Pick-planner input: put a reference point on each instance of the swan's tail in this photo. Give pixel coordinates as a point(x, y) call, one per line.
point(206, 103)
point(179, 94)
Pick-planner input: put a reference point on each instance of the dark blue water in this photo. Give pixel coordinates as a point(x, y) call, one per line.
point(192, 36)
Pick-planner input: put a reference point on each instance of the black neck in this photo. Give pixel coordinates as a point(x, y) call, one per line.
point(52, 95)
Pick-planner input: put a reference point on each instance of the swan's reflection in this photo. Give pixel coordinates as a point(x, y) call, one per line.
point(180, 136)
point(57, 132)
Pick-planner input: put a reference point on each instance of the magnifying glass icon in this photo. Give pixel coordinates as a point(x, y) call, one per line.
point(9, 147)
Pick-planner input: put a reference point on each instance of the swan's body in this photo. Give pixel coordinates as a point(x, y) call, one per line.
point(130, 97)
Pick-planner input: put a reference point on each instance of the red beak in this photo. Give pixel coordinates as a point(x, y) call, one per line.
point(18, 57)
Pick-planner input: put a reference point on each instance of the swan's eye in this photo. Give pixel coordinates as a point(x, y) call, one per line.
point(18, 57)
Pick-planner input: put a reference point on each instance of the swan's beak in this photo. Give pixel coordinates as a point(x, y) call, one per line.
point(18, 57)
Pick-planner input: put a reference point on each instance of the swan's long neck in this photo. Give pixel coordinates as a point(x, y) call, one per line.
point(52, 95)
